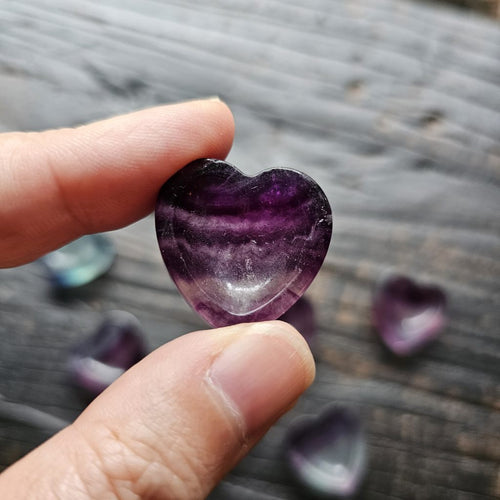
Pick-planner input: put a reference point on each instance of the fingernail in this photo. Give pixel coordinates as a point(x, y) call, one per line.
point(212, 98)
point(262, 373)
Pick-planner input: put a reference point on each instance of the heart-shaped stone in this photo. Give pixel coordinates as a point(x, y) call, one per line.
point(241, 248)
point(302, 317)
point(117, 344)
point(80, 262)
point(407, 315)
point(327, 454)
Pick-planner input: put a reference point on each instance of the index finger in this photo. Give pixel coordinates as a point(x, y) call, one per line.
point(58, 185)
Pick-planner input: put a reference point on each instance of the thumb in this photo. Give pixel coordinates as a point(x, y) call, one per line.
point(175, 423)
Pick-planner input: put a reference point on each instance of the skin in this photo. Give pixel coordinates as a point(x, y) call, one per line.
point(175, 423)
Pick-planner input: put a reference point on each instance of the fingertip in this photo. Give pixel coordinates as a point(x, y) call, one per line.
point(297, 340)
point(100, 176)
point(224, 126)
point(262, 372)
point(178, 420)
point(278, 330)
point(291, 336)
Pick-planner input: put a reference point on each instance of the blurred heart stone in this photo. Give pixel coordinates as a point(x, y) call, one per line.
point(241, 248)
point(80, 262)
point(98, 361)
point(301, 316)
point(407, 315)
point(327, 455)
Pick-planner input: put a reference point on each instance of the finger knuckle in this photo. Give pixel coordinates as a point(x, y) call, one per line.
point(126, 466)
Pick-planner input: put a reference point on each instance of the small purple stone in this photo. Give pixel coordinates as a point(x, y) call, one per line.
point(301, 316)
point(99, 360)
point(241, 248)
point(327, 455)
point(407, 315)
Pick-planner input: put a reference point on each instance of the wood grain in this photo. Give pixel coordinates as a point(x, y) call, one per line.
point(393, 107)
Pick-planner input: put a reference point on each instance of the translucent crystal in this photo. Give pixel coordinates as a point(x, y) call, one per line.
point(99, 360)
point(80, 262)
point(301, 316)
point(241, 248)
point(407, 315)
point(327, 455)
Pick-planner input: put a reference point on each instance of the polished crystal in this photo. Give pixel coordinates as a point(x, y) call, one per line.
point(301, 316)
point(328, 454)
point(116, 345)
point(241, 248)
point(80, 262)
point(407, 315)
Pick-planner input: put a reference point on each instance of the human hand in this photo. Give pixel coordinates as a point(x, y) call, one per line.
point(176, 422)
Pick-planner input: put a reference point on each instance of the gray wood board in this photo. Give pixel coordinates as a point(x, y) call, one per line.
point(393, 107)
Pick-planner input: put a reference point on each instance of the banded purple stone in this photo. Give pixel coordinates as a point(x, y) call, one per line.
point(327, 455)
point(241, 248)
point(407, 315)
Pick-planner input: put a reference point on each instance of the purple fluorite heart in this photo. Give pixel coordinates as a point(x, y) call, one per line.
point(241, 248)
point(301, 316)
point(99, 360)
point(327, 455)
point(407, 315)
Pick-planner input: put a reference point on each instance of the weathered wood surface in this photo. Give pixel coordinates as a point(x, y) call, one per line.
point(393, 107)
